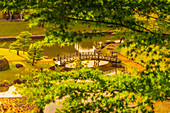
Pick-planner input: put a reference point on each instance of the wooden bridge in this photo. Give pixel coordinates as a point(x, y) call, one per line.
point(62, 60)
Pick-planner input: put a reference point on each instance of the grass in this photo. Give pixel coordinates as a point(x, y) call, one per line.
point(11, 73)
point(15, 28)
point(11, 55)
point(13, 59)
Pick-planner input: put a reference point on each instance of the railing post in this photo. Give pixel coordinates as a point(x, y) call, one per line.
point(116, 60)
point(70, 57)
point(58, 58)
point(67, 58)
point(80, 56)
point(112, 53)
point(76, 53)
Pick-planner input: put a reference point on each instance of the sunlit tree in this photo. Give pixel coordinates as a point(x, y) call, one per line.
point(144, 23)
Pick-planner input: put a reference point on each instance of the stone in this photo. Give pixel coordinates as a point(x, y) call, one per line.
point(109, 42)
point(52, 68)
point(10, 84)
point(119, 66)
point(23, 81)
point(19, 65)
point(40, 68)
point(46, 57)
point(17, 81)
point(114, 64)
point(123, 68)
point(4, 65)
point(109, 32)
point(1, 85)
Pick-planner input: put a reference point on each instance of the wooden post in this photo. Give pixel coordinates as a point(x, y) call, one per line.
point(21, 16)
point(67, 58)
point(70, 57)
point(116, 60)
point(58, 58)
point(10, 16)
point(80, 56)
point(86, 55)
point(76, 53)
point(92, 55)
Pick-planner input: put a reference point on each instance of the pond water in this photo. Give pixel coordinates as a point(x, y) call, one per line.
point(85, 46)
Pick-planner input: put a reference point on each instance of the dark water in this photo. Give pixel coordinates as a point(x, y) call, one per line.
point(85, 45)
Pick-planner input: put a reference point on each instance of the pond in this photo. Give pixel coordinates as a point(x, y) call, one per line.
point(85, 46)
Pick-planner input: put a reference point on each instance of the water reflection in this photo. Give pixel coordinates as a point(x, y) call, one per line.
point(79, 48)
point(87, 45)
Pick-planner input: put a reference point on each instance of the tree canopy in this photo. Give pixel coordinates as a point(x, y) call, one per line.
point(58, 16)
point(145, 24)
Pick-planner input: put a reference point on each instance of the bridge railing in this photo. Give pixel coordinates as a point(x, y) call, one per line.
point(62, 60)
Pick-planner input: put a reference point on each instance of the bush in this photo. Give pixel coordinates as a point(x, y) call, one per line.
point(54, 59)
point(119, 61)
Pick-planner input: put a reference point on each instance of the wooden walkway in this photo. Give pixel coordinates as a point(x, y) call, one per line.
point(85, 56)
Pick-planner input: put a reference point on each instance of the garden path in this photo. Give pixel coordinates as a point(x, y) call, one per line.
point(124, 59)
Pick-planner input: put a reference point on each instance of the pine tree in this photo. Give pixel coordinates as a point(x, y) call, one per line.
point(23, 40)
point(35, 53)
point(16, 46)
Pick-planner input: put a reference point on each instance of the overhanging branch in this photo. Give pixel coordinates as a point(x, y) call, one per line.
point(119, 24)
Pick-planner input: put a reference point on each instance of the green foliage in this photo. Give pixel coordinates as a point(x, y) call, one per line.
point(60, 16)
point(3, 44)
point(35, 53)
point(16, 46)
point(23, 40)
point(86, 89)
point(144, 23)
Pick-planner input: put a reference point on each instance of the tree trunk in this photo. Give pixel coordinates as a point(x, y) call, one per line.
point(41, 110)
point(120, 40)
point(33, 62)
point(17, 52)
point(34, 58)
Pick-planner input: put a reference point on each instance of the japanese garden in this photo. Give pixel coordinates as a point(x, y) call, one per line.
point(78, 56)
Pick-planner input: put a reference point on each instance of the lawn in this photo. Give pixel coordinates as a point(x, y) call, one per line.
point(11, 73)
point(15, 28)
point(13, 59)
